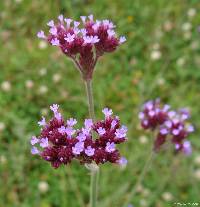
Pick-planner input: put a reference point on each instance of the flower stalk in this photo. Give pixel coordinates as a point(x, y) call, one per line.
point(94, 186)
point(88, 87)
point(142, 175)
point(95, 143)
point(94, 169)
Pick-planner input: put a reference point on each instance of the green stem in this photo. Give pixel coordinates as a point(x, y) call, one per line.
point(88, 86)
point(94, 187)
point(94, 170)
point(141, 177)
point(143, 173)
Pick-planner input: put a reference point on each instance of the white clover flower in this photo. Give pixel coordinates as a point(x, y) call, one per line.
point(2, 126)
point(191, 12)
point(42, 45)
point(155, 55)
point(143, 202)
point(197, 160)
point(167, 196)
point(43, 89)
point(186, 26)
point(161, 81)
point(181, 61)
point(43, 186)
point(3, 159)
point(42, 71)
point(29, 84)
point(143, 139)
point(197, 174)
point(6, 86)
point(56, 78)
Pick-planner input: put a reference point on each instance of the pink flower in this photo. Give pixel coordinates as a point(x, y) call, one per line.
point(113, 124)
point(71, 122)
point(70, 131)
point(50, 23)
point(35, 151)
point(68, 21)
point(55, 42)
point(110, 147)
point(53, 30)
point(111, 33)
point(62, 130)
point(122, 40)
point(78, 148)
point(42, 122)
point(101, 131)
point(54, 108)
point(171, 125)
point(88, 123)
point(69, 38)
point(44, 142)
point(121, 132)
point(122, 161)
point(41, 35)
point(61, 18)
point(81, 137)
point(187, 148)
point(34, 140)
point(91, 17)
point(89, 151)
point(59, 143)
point(84, 42)
point(107, 112)
point(83, 18)
point(76, 24)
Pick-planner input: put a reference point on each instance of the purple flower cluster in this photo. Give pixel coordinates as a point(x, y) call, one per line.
point(84, 42)
point(59, 142)
point(168, 124)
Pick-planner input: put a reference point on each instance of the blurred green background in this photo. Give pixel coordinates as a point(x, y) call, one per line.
point(160, 59)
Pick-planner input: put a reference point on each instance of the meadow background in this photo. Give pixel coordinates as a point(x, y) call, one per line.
point(160, 59)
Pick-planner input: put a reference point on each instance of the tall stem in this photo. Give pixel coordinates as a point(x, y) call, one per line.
point(94, 187)
point(141, 177)
point(94, 168)
point(143, 173)
point(88, 86)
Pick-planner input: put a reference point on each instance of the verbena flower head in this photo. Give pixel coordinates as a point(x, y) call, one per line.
point(168, 124)
point(60, 142)
point(84, 42)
